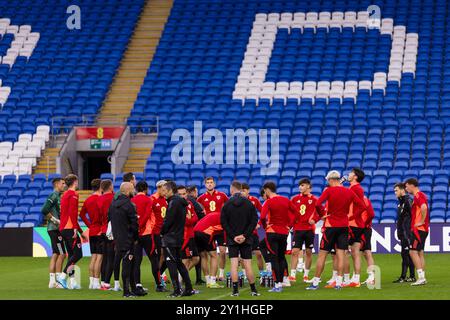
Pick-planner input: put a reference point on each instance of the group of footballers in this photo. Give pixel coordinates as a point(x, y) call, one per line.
point(346, 215)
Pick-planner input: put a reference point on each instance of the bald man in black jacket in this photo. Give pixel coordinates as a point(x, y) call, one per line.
point(125, 229)
point(172, 234)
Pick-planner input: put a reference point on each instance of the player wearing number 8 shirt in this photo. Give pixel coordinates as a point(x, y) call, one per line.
point(304, 227)
point(159, 209)
point(213, 201)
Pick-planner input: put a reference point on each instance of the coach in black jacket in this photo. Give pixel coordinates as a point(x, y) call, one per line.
point(172, 233)
point(200, 211)
point(404, 231)
point(125, 229)
point(239, 218)
point(192, 197)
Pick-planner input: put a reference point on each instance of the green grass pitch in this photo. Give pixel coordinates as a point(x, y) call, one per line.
point(27, 278)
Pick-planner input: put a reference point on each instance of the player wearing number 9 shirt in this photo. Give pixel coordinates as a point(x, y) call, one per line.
point(213, 201)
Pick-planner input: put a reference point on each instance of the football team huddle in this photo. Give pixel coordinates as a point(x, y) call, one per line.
point(179, 231)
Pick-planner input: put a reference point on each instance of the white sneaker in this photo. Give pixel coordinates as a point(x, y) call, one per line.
point(52, 285)
point(286, 283)
point(91, 286)
point(117, 289)
point(419, 282)
point(331, 281)
point(74, 285)
point(369, 282)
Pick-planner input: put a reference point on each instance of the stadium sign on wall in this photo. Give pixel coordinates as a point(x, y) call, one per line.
point(101, 144)
point(99, 133)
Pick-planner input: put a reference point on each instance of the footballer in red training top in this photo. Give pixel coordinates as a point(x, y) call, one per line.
point(105, 200)
point(335, 235)
point(70, 228)
point(213, 201)
point(356, 223)
point(304, 227)
point(96, 240)
point(189, 252)
point(159, 209)
point(204, 232)
point(256, 249)
point(277, 217)
point(420, 224)
point(146, 219)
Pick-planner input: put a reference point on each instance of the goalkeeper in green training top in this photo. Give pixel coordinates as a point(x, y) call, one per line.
point(51, 210)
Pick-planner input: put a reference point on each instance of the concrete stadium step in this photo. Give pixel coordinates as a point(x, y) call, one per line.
point(46, 164)
point(83, 195)
point(135, 62)
point(137, 158)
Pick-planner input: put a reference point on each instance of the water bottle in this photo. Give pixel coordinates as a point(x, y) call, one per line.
point(241, 279)
point(229, 282)
point(264, 279)
point(270, 282)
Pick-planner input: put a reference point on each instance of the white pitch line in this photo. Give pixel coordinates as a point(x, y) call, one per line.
point(227, 295)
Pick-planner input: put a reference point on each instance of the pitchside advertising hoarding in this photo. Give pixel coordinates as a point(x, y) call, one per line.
point(384, 240)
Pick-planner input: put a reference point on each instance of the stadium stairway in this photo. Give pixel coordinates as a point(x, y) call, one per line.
point(135, 62)
point(137, 158)
point(83, 195)
point(140, 149)
point(47, 162)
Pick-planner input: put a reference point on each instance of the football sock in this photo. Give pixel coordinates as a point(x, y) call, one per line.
point(316, 281)
point(339, 281)
point(346, 277)
point(421, 273)
point(235, 287)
